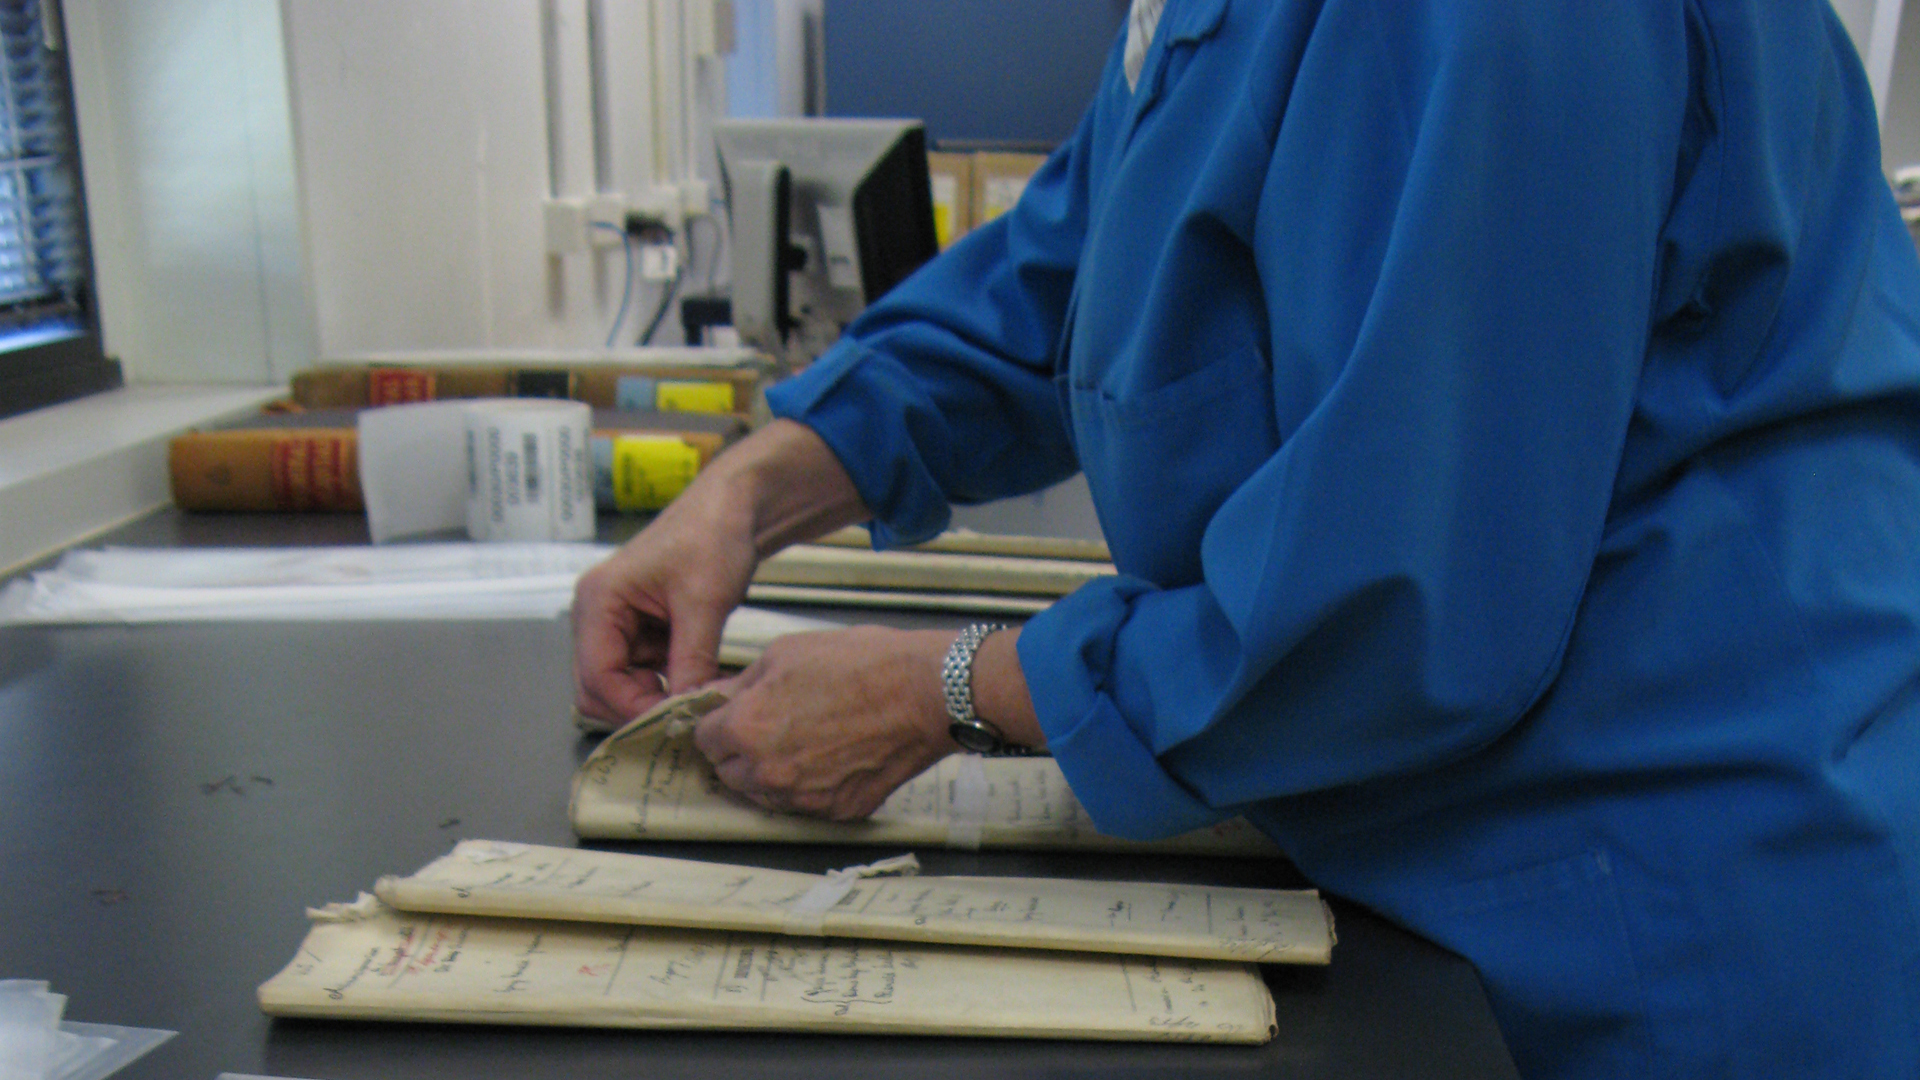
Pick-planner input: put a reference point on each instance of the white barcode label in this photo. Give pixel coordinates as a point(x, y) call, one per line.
point(530, 450)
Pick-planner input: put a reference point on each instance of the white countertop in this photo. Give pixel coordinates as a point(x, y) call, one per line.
point(70, 470)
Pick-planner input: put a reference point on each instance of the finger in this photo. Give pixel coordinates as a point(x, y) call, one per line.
point(606, 683)
point(693, 650)
point(714, 738)
point(612, 638)
point(621, 696)
point(737, 775)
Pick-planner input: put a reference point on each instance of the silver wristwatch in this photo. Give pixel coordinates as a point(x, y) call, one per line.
point(956, 678)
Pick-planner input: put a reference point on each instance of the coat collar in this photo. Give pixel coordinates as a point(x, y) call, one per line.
point(1184, 22)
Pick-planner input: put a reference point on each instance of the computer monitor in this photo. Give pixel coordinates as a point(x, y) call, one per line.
point(827, 215)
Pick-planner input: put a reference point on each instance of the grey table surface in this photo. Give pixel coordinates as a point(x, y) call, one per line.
point(173, 797)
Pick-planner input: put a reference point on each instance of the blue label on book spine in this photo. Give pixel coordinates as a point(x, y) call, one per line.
point(636, 392)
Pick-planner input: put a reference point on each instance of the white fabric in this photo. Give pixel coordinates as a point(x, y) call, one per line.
point(1142, 20)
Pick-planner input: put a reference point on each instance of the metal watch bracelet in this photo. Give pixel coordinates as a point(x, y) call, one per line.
point(956, 679)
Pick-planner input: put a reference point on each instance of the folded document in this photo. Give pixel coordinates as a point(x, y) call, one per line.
point(886, 900)
point(380, 964)
point(647, 781)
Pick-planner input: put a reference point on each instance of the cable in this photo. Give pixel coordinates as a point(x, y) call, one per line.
point(626, 285)
point(666, 304)
point(722, 239)
point(713, 257)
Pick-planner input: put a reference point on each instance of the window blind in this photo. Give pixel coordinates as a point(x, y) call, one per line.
point(42, 267)
point(49, 333)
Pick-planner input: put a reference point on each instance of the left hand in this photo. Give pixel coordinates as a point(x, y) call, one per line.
point(830, 723)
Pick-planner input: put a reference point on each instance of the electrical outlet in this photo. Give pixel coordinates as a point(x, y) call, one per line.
point(564, 221)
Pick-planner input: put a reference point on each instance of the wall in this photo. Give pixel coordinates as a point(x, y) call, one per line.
point(431, 135)
point(274, 182)
point(430, 132)
point(423, 147)
point(1008, 70)
point(1900, 124)
point(776, 66)
point(188, 159)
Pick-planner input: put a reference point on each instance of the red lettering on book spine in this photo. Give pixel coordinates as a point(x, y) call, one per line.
point(315, 472)
point(398, 386)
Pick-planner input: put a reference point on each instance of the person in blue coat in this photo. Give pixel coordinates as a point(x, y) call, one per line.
point(1505, 419)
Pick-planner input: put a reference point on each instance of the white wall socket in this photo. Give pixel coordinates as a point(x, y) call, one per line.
point(564, 221)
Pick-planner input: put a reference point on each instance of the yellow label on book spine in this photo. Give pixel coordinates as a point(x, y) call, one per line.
point(946, 196)
point(648, 471)
point(700, 397)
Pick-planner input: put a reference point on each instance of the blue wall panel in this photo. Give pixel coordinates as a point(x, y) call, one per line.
point(1004, 70)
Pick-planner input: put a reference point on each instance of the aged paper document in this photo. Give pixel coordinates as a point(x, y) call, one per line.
point(482, 877)
point(365, 961)
point(839, 567)
point(968, 542)
point(897, 600)
point(647, 781)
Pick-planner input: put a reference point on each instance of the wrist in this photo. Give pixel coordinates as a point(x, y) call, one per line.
point(985, 693)
point(790, 484)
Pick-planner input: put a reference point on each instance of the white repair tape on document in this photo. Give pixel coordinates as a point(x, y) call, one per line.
point(486, 851)
point(807, 916)
point(528, 470)
point(967, 809)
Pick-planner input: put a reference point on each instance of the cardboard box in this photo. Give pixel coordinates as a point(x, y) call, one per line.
point(998, 180)
point(952, 176)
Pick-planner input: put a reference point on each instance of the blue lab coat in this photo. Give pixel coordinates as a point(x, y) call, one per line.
point(1504, 420)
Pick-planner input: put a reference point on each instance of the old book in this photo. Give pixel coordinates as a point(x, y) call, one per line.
point(368, 962)
point(951, 176)
point(310, 460)
point(999, 179)
point(654, 385)
point(1196, 922)
point(648, 781)
point(726, 428)
point(266, 469)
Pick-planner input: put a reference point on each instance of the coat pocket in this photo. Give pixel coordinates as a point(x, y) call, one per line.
point(1160, 463)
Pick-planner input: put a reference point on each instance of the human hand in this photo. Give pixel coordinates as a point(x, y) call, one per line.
point(830, 723)
point(647, 621)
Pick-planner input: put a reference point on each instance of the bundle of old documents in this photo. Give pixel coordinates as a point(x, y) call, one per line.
point(507, 933)
point(647, 781)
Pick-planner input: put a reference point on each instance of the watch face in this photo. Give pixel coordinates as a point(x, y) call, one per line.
point(973, 738)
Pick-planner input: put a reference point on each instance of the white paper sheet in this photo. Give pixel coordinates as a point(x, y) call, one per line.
point(413, 468)
point(406, 582)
